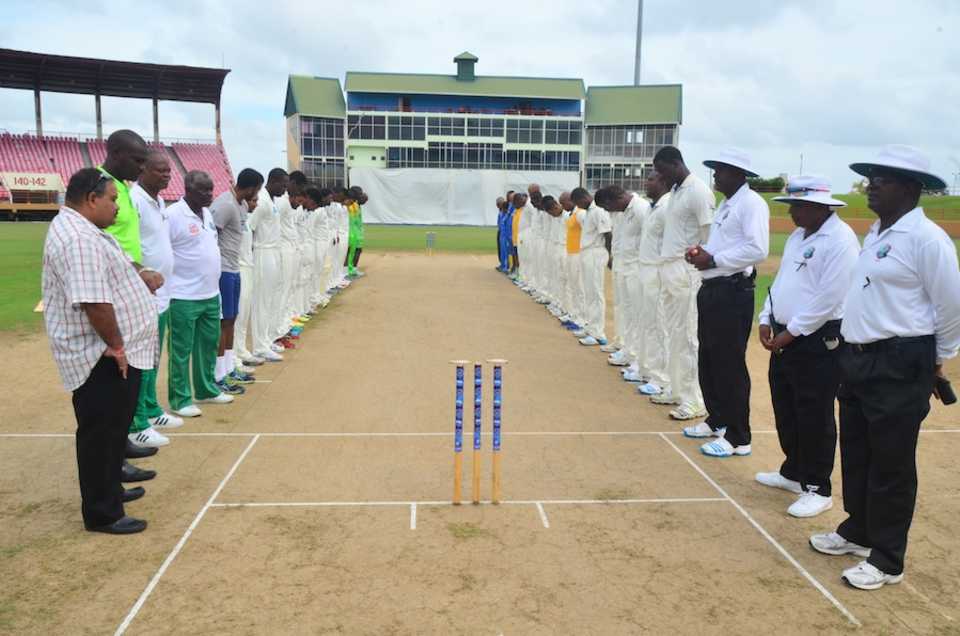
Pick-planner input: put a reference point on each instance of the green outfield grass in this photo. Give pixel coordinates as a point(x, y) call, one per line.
point(945, 208)
point(21, 252)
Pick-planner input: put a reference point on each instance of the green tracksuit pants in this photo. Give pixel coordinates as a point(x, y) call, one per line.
point(194, 336)
point(147, 405)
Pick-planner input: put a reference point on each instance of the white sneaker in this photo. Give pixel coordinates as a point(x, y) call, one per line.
point(189, 410)
point(649, 389)
point(580, 333)
point(148, 438)
point(270, 356)
point(242, 368)
point(610, 348)
point(865, 576)
point(701, 430)
point(634, 376)
point(776, 480)
point(543, 300)
point(619, 359)
point(810, 504)
point(252, 361)
point(664, 399)
point(564, 318)
point(687, 412)
point(833, 544)
point(589, 341)
point(222, 398)
point(166, 421)
point(722, 448)
point(275, 348)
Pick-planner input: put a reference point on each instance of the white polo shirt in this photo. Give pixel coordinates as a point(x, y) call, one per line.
point(814, 277)
point(155, 240)
point(906, 283)
point(196, 265)
point(651, 239)
point(740, 234)
point(632, 226)
point(594, 223)
point(691, 207)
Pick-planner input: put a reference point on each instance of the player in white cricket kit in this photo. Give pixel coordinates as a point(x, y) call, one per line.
point(265, 225)
point(595, 224)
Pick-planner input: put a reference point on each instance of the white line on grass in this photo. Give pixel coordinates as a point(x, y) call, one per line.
point(543, 515)
point(766, 535)
point(183, 540)
point(413, 516)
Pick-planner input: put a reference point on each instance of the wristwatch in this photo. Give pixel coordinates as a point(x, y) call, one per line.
point(712, 263)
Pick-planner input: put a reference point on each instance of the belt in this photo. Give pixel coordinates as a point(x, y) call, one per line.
point(730, 280)
point(888, 344)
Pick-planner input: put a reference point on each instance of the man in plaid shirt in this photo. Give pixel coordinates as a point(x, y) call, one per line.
point(102, 325)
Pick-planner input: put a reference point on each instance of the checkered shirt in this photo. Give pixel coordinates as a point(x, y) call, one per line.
point(83, 264)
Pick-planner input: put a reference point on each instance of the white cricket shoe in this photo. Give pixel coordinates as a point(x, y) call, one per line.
point(222, 398)
point(166, 421)
point(722, 448)
point(619, 359)
point(701, 430)
point(270, 356)
point(276, 348)
point(649, 389)
point(810, 504)
point(687, 411)
point(833, 544)
point(589, 341)
point(865, 576)
point(776, 480)
point(633, 376)
point(610, 348)
point(190, 410)
point(664, 399)
point(580, 333)
point(148, 438)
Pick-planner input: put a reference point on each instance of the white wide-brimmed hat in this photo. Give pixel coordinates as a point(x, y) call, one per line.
point(905, 160)
point(809, 188)
point(736, 157)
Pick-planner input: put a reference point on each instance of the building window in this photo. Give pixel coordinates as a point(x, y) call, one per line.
point(629, 176)
point(406, 128)
point(446, 126)
point(524, 131)
point(320, 137)
point(484, 127)
point(565, 133)
point(632, 143)
point(366, 127)
point(324, 173)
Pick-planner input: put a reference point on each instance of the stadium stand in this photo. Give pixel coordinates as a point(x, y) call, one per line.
point(64, 155)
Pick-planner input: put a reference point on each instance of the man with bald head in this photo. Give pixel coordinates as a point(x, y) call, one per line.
point(195, 299)
point(126, 154)
point(149, 419)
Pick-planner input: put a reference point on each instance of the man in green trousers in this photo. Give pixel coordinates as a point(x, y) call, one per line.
point(195, 299)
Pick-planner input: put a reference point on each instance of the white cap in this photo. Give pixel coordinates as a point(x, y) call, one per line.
point(810, 188)
point(906, 160)
point(736, 157)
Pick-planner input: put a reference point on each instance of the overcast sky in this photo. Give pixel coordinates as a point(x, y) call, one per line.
point(832, 80)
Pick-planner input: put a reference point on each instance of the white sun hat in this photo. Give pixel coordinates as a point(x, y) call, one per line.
point(905, 160)
point(809, 188)
point(736, 157)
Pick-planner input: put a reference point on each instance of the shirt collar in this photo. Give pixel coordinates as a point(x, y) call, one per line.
point(137, 188)
point(828, 227)
point(120, 183)
point(739, 194)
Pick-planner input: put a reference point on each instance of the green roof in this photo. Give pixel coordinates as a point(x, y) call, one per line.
point(314, 97)
point(617, 105)
point(485, 85)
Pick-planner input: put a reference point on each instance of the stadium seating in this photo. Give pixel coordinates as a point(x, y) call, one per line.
point(211, 159)
point(64, 155)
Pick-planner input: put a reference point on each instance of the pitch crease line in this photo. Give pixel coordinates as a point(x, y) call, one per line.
point(543, 515)
point(132, 614)
point(516, 502)
point(766, 535)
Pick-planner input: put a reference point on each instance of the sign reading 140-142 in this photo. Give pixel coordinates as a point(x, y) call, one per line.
point(32, 181)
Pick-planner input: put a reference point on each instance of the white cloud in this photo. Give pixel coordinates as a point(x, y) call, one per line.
point(832, 79)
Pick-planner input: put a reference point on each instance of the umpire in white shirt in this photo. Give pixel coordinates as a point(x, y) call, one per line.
point(901, 321)
point(739, 240)
point(800, 326)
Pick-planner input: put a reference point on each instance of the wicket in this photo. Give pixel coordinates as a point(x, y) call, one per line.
point(477, 428)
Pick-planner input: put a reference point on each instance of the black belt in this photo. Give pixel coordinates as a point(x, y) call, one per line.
point(736, 279)
point(888, 344)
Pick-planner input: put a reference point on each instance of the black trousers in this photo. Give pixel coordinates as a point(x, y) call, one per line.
point(884, 396)
point(724, 320)
point(803, 384)
point(104, 406)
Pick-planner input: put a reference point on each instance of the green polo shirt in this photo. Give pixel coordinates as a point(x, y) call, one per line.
point(126, 229)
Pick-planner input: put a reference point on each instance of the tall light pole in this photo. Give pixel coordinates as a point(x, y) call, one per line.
point(636, 63)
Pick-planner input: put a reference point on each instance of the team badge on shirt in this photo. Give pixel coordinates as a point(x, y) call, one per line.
point(809, 252)
point(194, 229)
point(884, 250)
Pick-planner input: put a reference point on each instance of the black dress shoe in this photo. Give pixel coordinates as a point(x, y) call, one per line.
point(124, 525)
point(136, 452)
point(132, 473)
point(132, 494)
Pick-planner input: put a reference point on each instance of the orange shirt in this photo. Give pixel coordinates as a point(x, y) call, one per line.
point(516, 224)
point(573, 235)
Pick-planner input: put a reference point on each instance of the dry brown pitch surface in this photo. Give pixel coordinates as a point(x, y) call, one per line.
point(612, 522)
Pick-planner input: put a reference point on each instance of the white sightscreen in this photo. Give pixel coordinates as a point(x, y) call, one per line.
point(428, 196)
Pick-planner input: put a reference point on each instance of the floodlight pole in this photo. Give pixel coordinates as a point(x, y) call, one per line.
point(636, 64)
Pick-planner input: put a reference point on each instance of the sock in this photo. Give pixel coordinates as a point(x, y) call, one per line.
point(218, 372)
point(228, 358)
